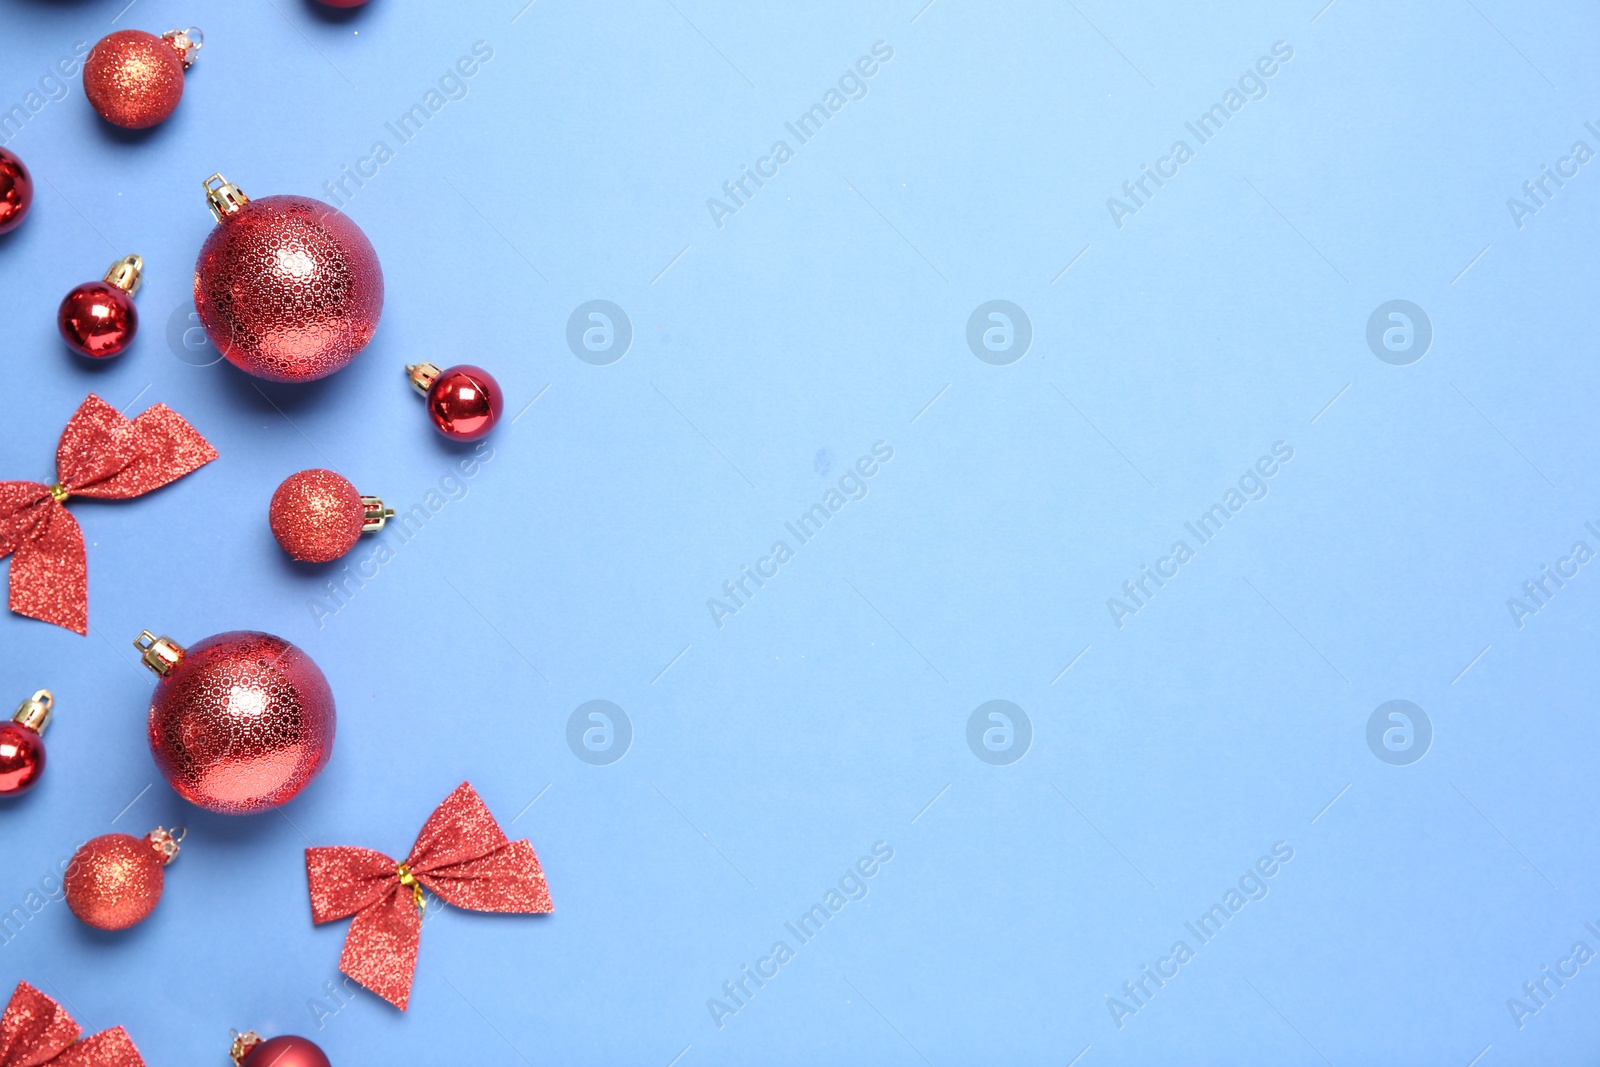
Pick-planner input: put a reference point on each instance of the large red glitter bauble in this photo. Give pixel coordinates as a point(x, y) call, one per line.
point(133, 79)
point(465, 402)
point(21, 758)
point(16, 191)
point(114, 881)
point(288, 288)
point(316, 515)
point(242, 723)
point(97, 319)
point(285, 1051)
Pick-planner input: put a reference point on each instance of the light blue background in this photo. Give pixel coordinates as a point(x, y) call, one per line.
point(831, 712)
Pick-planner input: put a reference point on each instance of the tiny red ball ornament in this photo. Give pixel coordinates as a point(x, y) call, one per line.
point(115, 881)
point(318, 516)
point(464, 401)
point(22, 747)
point(287, 287)
point(239, 722)
point(134, 79)
point(98, 319)
point(251, 1050)
point(16, 191)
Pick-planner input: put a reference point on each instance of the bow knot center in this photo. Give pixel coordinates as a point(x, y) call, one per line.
point(409, 880)
point(60, 493)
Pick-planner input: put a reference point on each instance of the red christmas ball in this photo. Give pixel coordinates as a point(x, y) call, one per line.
point(115, 881)
point(22, 747)
point(287, 288)
point(134, 79)
point(98, 319)
point(16, 191)
point(239, 722)
point(318, 516)
point(464, 401)
point(251, 1051)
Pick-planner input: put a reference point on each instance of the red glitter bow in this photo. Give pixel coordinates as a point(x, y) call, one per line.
point(461, 854)
point(104, 455)
point(35, 1031)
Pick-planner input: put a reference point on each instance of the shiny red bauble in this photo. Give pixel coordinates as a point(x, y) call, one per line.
point(134, 79)
point(239, 722)
point(318, 516)
point(115, 880)
point(98, 319)
point(16, 191)
point(249, 1050)
point(287, 288)
point(22, 747)
point(464, 401)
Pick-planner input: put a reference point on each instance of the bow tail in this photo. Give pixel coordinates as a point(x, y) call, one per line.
point(50, 573)
point(109, 1048)
point(380, 951)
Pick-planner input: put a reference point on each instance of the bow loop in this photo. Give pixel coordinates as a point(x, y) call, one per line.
point(35, 1031)
point(104, 455)
point(461, 854)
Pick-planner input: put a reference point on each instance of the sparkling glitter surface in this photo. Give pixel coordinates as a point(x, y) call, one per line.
point(102, 454)
point(242, 723)
point(316, 515)
point(114, 881)
point(35, 1030)
point(461, 854)
point(288, 289)
point(134, 79)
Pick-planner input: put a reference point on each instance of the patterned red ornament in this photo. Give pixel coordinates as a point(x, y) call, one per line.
point(134, 79)
point(35, 1031)
point(318, 516)
point(22, 747)
point(101, 455)
point(98, 319)
point(115, 881)
point(461, 854)
point(288, 288)
point(251, 1050)
point(16, 191)
point(464, 401)
point(240, 722)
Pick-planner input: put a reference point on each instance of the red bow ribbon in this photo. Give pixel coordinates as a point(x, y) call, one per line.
point(35, 1031)
point(104, 455)
point(461, 854)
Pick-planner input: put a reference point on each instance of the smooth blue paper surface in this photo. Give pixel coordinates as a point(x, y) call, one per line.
point(866, 368)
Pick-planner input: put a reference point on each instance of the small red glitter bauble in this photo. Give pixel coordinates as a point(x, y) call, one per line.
point(134, 79)
point(97, 319)
point(317, 516)
point(115, 881)
point(16, 191)
point(239, 722)
point(287, 1051)
point(464, 401)
point(287, 288)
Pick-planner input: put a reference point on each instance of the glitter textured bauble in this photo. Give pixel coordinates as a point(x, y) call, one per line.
point(464, 401)
point(239, 722)
point(249, 1050)
point(287, 287)
point(318, 516)
point(115, 881)
point(16, 191)
point(22, 746)
point(134, 79)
